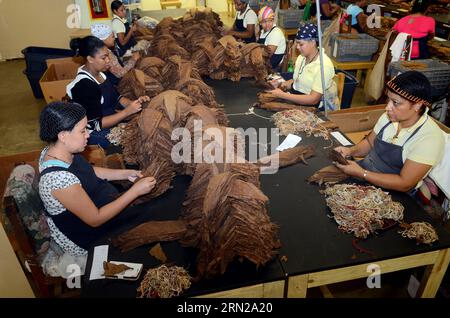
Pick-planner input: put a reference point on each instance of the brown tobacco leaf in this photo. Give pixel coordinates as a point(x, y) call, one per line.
point(112, 269)
point(337, 157)
point(158, 253)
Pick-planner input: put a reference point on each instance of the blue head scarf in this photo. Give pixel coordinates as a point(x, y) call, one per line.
point(307, 32)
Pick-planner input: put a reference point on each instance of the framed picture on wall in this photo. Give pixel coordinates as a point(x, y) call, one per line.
point(98, 9)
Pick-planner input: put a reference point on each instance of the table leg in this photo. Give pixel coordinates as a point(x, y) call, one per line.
point(298, 286)
point(358, 76)
point(433, 275)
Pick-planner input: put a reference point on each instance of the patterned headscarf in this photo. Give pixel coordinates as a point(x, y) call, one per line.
point(265, 13)
point(307, 32)
point(101, 31)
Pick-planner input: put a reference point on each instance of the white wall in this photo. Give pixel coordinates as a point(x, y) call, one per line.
point(86, 20)
point(32, 23)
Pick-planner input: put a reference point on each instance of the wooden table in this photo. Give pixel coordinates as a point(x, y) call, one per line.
point(316, 252)
point(358, 66)
point(288, 32)
point(436, 262)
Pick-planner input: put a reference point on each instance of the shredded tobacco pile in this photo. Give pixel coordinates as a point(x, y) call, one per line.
point(164, 282)
point(361, 210)
point(423, 232)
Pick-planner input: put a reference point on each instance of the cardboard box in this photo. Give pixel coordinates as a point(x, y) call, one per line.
point(357, 119)
point(358, 122)
point(75, 59)
point(56, 78)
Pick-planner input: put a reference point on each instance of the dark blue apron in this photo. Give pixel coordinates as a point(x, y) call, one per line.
point(109, 106)
point(239, 23)
point(99, 191)
point(132, 42)
point(275, 59)
point(385, 157)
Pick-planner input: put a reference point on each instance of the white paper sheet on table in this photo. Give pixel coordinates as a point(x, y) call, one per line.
point(290, 142)
point(100, 256)
point(340, 137)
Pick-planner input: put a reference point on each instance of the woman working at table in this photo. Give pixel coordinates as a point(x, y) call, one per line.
point(405, 143)
point(271, 36)
point(78, 200)
point(245, 22)
point(105, 107)
point(306, 86)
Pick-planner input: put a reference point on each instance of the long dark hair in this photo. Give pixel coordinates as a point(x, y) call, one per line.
point(115, 5)
point(57, 117)
point(87, 46)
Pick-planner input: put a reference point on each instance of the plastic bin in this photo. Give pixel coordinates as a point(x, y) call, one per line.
point(33, 79)
point(271, 3)
point(290, 19)
point(350, 84)
point(353, 47)
point(437, 72)
point(35, 57)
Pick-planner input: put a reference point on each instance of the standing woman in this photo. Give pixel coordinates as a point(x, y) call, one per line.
point(271, 36)
point(305, 88)
point(79, 202)
point(245, 23)
point(96, 93)
point(121, 28)
point(117, 68)
point(405, 142)
point(420, 27)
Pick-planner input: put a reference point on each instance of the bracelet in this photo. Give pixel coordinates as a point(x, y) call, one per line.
point(365, 174)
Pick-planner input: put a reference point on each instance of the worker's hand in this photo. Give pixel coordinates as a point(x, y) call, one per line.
point(275, 83)
point(344, 151)
point(143, 186)
point(277, 93)
point(136, 56)
point(285, 86)
point(132, 175)
point(133, 28)
point(352, 169)
point(143, 99)
point(133, 107)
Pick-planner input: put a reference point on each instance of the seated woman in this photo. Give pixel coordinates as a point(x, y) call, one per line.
point(420, 27)
point(272, 36)
point(306, 85)
point(96, 93)
point(117, 68)
point(359, 19)
point(404, 144)
point(124, 34)
point(327, 9)
point(80, 204)
point(245, 22)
